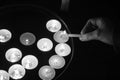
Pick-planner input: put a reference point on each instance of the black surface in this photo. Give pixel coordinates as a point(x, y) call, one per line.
point(92, 59)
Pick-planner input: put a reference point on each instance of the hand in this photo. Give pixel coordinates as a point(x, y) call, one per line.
point(103, 30)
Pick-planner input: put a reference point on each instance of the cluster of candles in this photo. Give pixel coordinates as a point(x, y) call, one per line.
point(30, 62)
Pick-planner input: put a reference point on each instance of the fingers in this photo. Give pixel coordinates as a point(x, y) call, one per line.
point(89, 31)
point(89, 36)
point(92, 29)
point(97, 29)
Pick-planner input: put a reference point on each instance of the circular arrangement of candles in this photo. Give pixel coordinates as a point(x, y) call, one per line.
point(44, 49)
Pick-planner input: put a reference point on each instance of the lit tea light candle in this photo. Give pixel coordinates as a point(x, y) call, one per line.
point(16, 71)
point(46, 73)
point(29, 62)
point(61, 36)
point(5, 35)
point(13, 55)
point(56, 61)
point(44, 44)
point(53, 25)
point(4, 75)
point(62, 49)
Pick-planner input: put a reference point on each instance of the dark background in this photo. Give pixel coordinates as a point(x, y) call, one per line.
point(91, 59)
